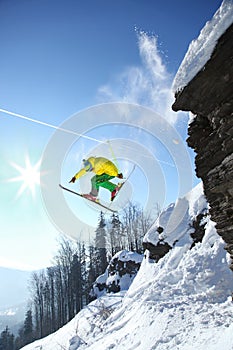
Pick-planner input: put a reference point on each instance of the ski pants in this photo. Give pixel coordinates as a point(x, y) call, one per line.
point(98, 181)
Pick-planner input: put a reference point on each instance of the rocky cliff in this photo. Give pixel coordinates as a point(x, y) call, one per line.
point(209, 96)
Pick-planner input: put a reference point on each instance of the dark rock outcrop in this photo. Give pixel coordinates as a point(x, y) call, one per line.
point(209, 96)
point(157, 251)
point(199, 229)
point(120, 273)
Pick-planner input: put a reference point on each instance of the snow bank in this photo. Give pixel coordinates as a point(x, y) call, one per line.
point(126, 255)
point(176, 220)
point(200, 49)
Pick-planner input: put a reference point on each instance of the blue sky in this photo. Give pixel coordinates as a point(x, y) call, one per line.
point(62, 58)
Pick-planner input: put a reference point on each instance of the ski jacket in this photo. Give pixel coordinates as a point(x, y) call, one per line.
point(99, 165)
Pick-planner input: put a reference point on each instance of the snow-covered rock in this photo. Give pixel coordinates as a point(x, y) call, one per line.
point(183, 220)
point(119, 274)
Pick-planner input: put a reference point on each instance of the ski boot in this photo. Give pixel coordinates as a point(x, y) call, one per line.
point(91, 197)
point(114, 192)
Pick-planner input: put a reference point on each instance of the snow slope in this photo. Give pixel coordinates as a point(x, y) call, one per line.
point(200, 49)
point(182, 302)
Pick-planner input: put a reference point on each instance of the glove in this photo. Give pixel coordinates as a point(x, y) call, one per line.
point(120, 176)
point(73, 179)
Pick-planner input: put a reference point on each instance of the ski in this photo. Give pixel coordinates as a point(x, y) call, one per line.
point(80, 195)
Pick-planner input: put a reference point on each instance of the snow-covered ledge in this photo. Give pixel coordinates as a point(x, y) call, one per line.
point(201, 49)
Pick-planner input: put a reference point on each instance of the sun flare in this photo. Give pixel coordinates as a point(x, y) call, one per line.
point(29, 176)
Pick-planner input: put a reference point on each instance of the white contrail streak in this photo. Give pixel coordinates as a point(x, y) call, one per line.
point(68, 131)
point(49, 125)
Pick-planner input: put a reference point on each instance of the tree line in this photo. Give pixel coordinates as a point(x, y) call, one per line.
point(59, 292)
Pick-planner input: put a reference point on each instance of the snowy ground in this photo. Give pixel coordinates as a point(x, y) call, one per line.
point(183, 302)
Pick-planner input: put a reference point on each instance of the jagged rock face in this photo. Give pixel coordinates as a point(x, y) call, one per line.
point(210, 97)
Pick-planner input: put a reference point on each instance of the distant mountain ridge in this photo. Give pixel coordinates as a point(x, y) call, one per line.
point(13, 317)
point(14, 297)
point(13, 287)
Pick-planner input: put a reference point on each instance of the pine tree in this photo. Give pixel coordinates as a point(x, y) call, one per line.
point(76, 283)
point(28, 328)
point(6, 340)
point(100, 247)
point(115, 235)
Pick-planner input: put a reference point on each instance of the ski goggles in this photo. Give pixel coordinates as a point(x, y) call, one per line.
point(87, 165)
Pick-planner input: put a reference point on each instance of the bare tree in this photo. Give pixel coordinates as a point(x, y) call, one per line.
point(135, 225)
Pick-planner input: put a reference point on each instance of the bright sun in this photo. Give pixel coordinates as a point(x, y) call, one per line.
point(29, 176)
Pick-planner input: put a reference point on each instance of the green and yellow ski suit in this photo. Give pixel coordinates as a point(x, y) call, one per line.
point(104, 169)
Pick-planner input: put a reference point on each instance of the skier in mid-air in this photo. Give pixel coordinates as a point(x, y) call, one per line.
point(104, 170)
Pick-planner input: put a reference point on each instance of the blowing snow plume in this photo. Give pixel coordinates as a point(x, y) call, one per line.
point(148, 85)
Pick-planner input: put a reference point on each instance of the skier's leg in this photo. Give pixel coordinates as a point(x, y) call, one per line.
point(94, 190)
point(94, 186)
point(103, 181)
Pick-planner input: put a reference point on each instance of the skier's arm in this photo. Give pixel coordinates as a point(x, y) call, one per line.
point(78, 175)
